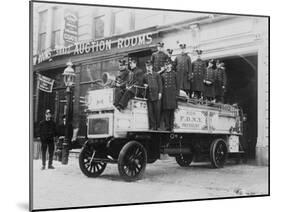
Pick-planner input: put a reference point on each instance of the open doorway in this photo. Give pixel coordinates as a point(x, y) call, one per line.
point(241, 88)
point(142, 57)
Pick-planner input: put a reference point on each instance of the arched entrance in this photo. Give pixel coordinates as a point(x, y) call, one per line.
point(241, 88)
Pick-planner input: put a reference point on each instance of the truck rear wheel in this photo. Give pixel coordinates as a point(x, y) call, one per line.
point(88, 166)
point(218, 153)
point(184, 160)
point(132, 161)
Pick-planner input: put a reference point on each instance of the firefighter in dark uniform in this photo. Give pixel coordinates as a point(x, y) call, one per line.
point(170, 93)
point(209, 78)
point(47, 130)
point(121, 81)
point(220, 81)
point(135, 80)
point(198, 73)
point(183, 68)
point(153, 82)
point(170, 53)
point(158, 58)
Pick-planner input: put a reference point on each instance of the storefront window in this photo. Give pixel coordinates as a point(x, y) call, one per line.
point(91, 72)
point(110, 66)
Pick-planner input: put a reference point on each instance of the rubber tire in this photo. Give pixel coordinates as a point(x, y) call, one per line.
point(84, 170)
point(122, 157)
point(184, 160)
point(214, 144)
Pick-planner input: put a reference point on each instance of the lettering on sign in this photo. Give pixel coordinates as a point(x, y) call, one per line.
point(45, 83)
point(190, 119)
point(70, 33)
point(78, 48)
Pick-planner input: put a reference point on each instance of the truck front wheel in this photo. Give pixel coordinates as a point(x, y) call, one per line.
point(132, 161)
point(87, 163)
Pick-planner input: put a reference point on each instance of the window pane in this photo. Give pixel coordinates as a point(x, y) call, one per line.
point(42, 21)
point(110, 66)
point(56, 19)
point(91, 72)
point(55, 39)
point(122, 22)
point(99, 27)
point(42, 41)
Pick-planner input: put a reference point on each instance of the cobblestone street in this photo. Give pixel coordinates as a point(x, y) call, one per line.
point(164, 180)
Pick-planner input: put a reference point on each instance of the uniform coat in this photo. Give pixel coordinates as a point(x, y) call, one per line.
point(209, 89)
point(182, 65)
point(158, 59)
point(154, 82)
point(122, 78)
point(170, 90)
point(198, 73)
point(135, 78)
point(220, 81)
point(47, 130)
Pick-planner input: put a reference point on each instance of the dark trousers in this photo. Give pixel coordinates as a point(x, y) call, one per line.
point(50, 145)
point(118, 95)
point(169, 115)
point(128, 94)
point(154, 114)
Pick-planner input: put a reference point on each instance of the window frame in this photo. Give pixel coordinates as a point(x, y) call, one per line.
point(94, 26)
point(42, 30)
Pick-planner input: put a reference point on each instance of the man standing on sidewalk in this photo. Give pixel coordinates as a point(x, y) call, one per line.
point(47, 129)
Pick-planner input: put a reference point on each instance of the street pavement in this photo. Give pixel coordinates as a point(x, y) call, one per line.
point(164, 180)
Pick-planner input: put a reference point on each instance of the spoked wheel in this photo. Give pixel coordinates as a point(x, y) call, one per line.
point(184, 160)
point(132, 161)
point(218, 153)
point(88, 166)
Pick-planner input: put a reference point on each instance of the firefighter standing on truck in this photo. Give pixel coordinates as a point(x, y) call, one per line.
point(220, 81)
point(198, 72)
point(209, 78)
point(154, 87)
point(158, 58)
point(121, 81)
point(170, 93)
point(183, 68)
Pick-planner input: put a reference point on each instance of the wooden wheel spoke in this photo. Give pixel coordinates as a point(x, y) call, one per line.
point(132, 161)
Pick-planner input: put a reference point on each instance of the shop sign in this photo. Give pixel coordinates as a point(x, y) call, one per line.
point(97, 46)
point(45, 83)
point(70, 33)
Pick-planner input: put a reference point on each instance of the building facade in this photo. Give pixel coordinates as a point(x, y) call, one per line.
point(95, 38)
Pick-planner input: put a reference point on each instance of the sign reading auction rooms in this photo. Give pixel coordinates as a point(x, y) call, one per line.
point(97, 46)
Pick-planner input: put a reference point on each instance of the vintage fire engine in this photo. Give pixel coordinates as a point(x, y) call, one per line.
point(200, 129)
